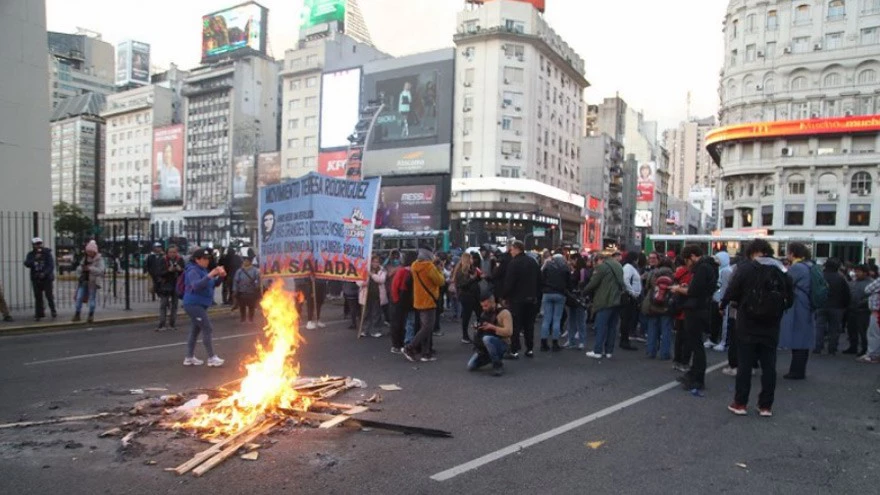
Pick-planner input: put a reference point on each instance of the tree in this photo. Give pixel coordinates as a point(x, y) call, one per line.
point(70, 221)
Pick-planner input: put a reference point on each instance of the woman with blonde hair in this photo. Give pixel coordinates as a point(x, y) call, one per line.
point(466, 277)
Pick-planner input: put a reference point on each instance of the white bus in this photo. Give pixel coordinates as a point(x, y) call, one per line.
point(847, 248)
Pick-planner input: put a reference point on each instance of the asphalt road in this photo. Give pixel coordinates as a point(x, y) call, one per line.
point(655, 437)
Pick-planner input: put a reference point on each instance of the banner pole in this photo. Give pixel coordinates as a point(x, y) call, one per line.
point(314, 297)
point(363, 308)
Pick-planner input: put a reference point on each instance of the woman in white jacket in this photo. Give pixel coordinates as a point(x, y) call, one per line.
point(629, 312)
point(372, 297)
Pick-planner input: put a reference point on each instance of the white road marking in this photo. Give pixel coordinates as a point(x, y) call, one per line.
point(512, 449)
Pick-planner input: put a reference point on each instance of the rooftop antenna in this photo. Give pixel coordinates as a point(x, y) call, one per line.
point(689, 106)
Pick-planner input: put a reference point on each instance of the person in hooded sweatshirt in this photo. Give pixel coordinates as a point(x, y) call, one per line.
point(555, 277)
point(198, 296)
point(762, 291)
point(697, 296)
point(427, 280)
point(724, 273)
point(858, 315)
point(91, 272)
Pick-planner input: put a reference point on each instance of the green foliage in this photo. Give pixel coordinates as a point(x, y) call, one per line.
point(71, 222)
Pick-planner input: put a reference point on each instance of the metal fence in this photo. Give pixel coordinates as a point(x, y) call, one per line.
point(123, 243)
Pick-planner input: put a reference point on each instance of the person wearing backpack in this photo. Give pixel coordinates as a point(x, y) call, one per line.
point(829, 318)
point(655, 307)
point(697, 296)
point(246, 289)
point(762, 292)
point(797, 331)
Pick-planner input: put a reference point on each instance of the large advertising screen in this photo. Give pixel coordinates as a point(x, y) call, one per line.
point(140, 62)
point(322, 11)
point(237, 28)
point(646, 182)
point(408, 161)
point(123, 62)
point(417, 98)
point(243, 179)
point(268, 168)
point(409, 208)
point(168, 165)
point(340, 107)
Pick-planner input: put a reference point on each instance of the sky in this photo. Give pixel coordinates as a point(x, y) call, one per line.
point(650, 52)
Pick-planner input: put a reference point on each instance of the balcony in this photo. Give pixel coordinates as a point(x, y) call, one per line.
point(304, 68)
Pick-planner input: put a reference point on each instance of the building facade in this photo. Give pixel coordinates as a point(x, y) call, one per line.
point(798, 139)
point(689, 162)
point(602, 161)
point(77, 152)
point(518, 120)
point(230, 113)
point(130, 117)
point(80, 63)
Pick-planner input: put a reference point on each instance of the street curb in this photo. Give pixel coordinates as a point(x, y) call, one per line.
point(68, 325)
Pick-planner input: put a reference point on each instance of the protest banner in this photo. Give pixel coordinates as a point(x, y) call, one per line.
point(317, 227)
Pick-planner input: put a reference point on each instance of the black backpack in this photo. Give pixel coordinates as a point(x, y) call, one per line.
point(767, 298)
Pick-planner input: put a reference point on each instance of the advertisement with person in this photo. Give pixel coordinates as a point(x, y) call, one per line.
point(644, 218)
point(123, 62)
point(237, 28)
point(673, 217)
point(340, 107)
point(333, 163)
point(242, 179)
point(268, 168)
point(168, 165)
point(592, 240)
point(408, 208)
point(322, 11)
point(317, 226)
point(646, 182)
point(140, 62)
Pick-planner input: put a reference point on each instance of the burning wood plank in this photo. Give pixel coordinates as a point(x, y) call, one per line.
point(233, 447)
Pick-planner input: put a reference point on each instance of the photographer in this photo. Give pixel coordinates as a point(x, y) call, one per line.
point(493, 332)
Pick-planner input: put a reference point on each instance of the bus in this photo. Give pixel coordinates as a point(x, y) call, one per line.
point(848, 248)
point(387, 240)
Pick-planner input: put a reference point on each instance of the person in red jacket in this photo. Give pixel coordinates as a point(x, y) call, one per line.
point(682, 357)
point(402, 314)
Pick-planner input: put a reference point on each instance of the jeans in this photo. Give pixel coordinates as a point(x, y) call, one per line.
point(198, 315)
point(320, 295)
point(469, 306)
point(606, 330)
point(524, 314)
point(43, 287)
point(166, 300)
point(857, 329)
point(874, 336)
point(828, 326)
point(423, 341)
point(81, 294)
point(577, 326)
point(553, 306)
point(495, 348)
point(798, 367)
point(411, 326)
point(659, 329)
point(749, 355)
point(354, 310)
point(695, 322)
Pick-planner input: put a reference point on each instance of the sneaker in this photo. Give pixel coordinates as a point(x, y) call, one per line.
point(720, 348)
point(498, 371)
point(680, 367)
point(639, 339)
point(376, 335)
point(427, 358)
point(396, 350)
point(408, 354)
point(511, 355)
point(160, 328)
point(466, 340)
point(7, 318)
point(321, 324)
point(193, 361)
point(529, 353)
point(363, 334)
point(708, 344)
point(738, 409)
point(765, 412)
point(728, 371)
point(580, 347)
point(594, 355)
point(311, 325)
point(215, 362)
point(438, 333)
point(607, 356)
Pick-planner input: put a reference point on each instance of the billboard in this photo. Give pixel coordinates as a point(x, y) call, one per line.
point(340, 107)
point(538, 4)
point(268, 168)
point(646, 182)
point(405, 161)
point(140, 62)
point(673, 217)
point(243, 179)
point(332, 163)
point(644, 218)
point(317, 226)
point(417, 94)
point(168, 165)
point(123, 63)
point(322, 11)
point(238, 28)
point(409, 208)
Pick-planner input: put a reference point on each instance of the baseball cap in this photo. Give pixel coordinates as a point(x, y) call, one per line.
point(157, 244)
point(36, 240)
point(201, 253)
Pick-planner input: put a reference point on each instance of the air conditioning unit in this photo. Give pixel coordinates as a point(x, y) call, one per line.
point(814, 115)
point(759, 88)
point(787, 152)
point(817, 46)
point(466, 109)
point(864, 193)
point(848, 113)
point(467, 84)
point(466, 132)
point(519, 133)
point(518, 109)
point(786, 50)
point(833, 197)
point(506, 81)
point(467, 158)
point(518, 156)
point(760, 54)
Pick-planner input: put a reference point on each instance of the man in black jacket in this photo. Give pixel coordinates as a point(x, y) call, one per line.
point(42, 266)
point(696, 311)
point(762, 292)
point(521, 291)
point(170, 268)
point(829, 319)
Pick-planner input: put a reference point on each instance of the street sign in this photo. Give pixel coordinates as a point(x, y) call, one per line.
point(538, 231)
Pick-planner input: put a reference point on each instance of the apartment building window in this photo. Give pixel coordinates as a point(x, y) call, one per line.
point(751, 23)
point(859, 215)
point(512, 172)
point(511, 98)
point(466, 172)
point(311, 122)
point(292, 104)
point(734, 29)
point(728, 219)
point(827, 184)
point(309, 162)
point(293, 124)
point(470, 26)
point(826, 215)
point(751, 53)
point(799, 83)
point(310, 142)
point(801, 110)
point(794, 215)
point(293, 143)
point(728, 192)
point(468, 102)
point(796, 185)
point(871, 7)
point(836, 10)
point(802, 14)
point(513, 75)
point(295, 84)
point(514, 51)
point(769, 85)
point(467, 149)
point(772, 21)
point(295, 62)
point(468, 125)
point(311, 82)
point(870, 36)
point(801, 44)
point(860, 184)
point(292, 162)
point(311, 60)
point(831, 108)
point(514, 26)
point(767, 216)
point(733, 54)
point(311, 101)
point(832, 80)
point(867, 76)
point(511, 147)
point(747, 216)
point(468, 77)
point(865, 105)
point(833, 41)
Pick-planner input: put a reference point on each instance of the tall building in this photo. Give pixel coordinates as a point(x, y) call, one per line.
point(230, 113)
point(689, 161)
point(77, 152)
point(301, 81)
point(602, 162)
point(173, 79)
point(799, 134)
point(342, 17)
point(128, 166)
point(518, 123)
point(79, 63)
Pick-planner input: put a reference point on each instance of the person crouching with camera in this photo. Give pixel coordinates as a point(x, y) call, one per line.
point(493, 331)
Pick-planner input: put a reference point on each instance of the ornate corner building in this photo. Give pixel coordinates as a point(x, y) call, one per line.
point(799, 127)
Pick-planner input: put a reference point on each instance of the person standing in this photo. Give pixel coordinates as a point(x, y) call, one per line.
point(655, 308)
point(555, 276)
point(606, 287)
point(153, 267)
point(198, 296)
point(577, 313)
point(427, 280)
point(172, 268)
point(859, 314)
point(42, 266)
point(797, 332)
point(314, 302)
point(720, 320)
point(402, 317)
point(247, 289)
point(681, 360)
point(520, 292)
point(872, 353)
point(4, 309)
point(372, 297)
point(230, 262)
point(629, 309)
point(466, 278)
point(762, 292)
point(350, 294)
point(90, 273)
point(697, 296)
point(829, 318)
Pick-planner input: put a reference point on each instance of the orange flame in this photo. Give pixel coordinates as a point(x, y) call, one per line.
point(271, 373)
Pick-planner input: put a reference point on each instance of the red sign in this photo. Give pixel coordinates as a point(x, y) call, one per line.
point(332, 163)
point(594, 204)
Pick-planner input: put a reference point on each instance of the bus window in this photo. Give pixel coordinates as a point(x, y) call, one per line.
point(823, 250)
point(409, 244)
